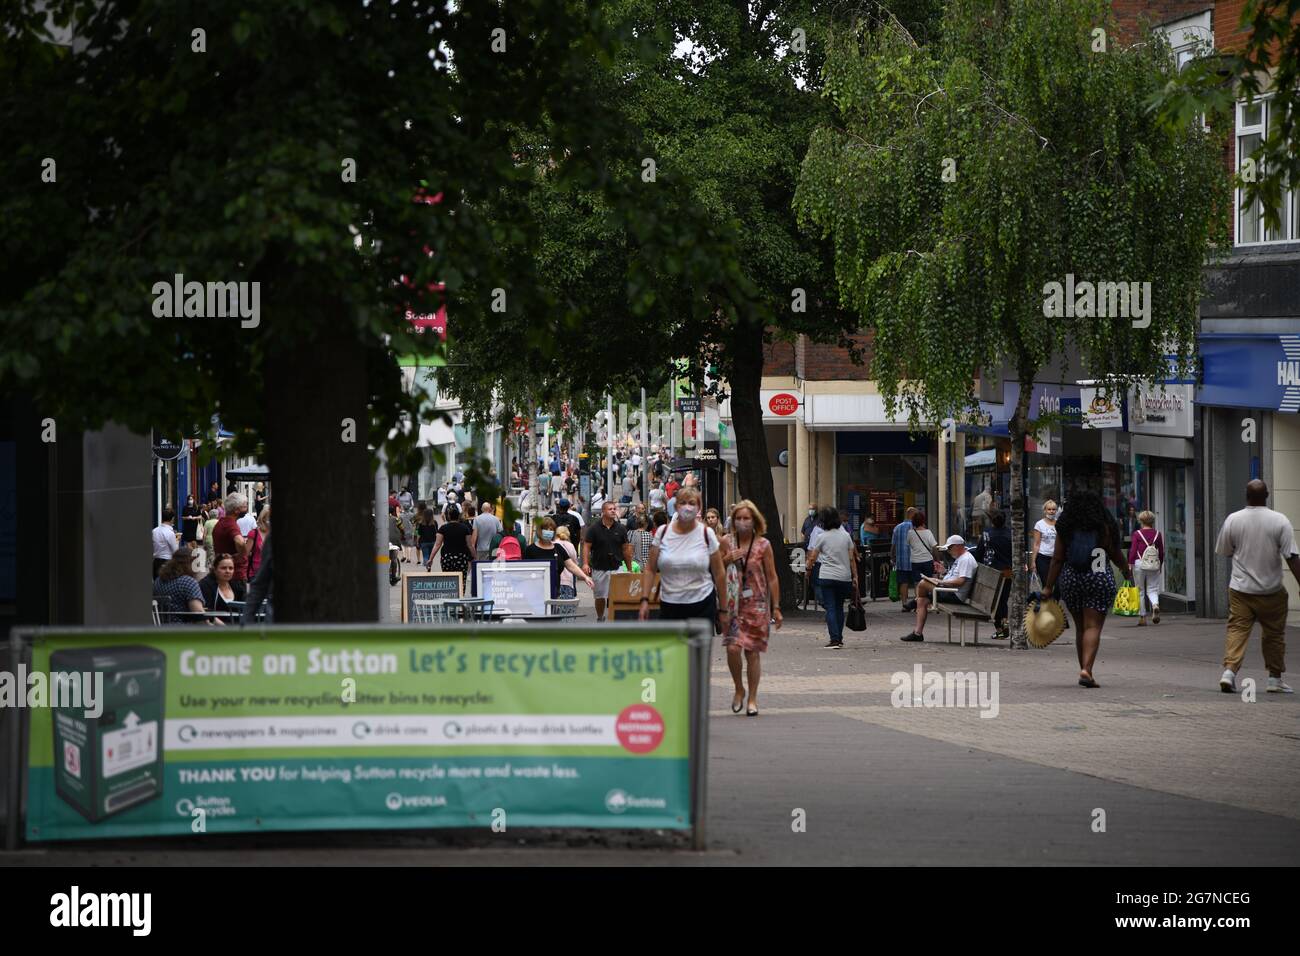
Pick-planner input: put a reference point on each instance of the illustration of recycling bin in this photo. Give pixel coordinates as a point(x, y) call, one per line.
point(108, 763)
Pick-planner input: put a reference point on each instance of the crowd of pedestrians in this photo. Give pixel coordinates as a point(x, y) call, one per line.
point(204, 570)
point(213, 560)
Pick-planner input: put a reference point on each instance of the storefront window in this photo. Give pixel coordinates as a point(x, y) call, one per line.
point(987, 481)
point(882, 485)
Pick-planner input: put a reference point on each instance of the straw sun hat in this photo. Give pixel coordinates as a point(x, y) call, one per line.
point(1044, 623)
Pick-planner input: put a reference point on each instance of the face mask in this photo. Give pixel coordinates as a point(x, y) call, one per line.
point(548, 535)
point(812, 512)
point(688, 512)
point(744, 524)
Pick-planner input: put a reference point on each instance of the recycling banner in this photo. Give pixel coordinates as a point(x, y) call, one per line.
point(186, 730)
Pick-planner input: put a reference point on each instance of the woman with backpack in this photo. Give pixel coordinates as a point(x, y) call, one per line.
point(686, 554)
point(1146, 554)
point(1086, 527)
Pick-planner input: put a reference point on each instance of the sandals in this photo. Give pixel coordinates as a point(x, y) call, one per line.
point(1088, 682)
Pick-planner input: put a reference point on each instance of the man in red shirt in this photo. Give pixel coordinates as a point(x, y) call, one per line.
point(670, 489)
point(226, 538)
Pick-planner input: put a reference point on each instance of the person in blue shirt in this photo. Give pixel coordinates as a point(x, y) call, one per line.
point(868, 532)
point(901, 554)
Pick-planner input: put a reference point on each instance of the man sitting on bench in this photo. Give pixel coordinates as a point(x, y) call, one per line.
point(961, 576)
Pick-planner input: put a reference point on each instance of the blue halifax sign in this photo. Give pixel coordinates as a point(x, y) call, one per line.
point(1250, 371)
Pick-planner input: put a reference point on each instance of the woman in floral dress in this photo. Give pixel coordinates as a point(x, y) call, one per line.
point(754, 596)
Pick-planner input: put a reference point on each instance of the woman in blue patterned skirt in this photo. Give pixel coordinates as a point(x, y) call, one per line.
point(1086, 536)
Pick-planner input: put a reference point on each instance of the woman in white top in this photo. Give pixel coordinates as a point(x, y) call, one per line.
point(685, 554)
point(836, 558)
point(1045, 540)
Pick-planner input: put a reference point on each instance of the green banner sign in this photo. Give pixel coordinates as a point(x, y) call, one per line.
point(357, 728)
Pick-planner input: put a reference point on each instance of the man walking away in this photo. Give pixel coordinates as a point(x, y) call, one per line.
point(164, 540)
point(486, 527)
point(564, 518)
point(1259, 540)
point(900, 554)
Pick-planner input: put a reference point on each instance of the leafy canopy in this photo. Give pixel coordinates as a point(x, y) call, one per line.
point(1055, 168)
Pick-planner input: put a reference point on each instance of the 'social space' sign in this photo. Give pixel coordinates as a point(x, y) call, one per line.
point(341, 729)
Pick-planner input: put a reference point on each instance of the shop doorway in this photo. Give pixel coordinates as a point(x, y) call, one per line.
point(1169, 493)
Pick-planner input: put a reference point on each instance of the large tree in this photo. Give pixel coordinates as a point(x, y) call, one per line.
point(724, 95)
point(218, 142)
point(967, 173)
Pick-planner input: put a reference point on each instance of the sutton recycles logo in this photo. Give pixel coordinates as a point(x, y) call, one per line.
point(620, 801)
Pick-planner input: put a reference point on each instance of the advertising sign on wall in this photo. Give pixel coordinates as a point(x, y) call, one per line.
point(1161, 410)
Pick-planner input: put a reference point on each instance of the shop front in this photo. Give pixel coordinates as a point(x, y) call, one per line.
point(1162, 421)
point(882, 474)
point(1246, 404)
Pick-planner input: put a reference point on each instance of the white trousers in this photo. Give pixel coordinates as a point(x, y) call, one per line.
point(1148, 585)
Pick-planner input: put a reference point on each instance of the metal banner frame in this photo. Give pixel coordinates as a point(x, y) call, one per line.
point(698, 635)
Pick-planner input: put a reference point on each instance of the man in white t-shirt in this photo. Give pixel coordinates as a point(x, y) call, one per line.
point(1259, 540)
point(165, 541)
point(960, 576)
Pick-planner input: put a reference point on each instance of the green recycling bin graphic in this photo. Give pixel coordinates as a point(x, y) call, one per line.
point(107, 763)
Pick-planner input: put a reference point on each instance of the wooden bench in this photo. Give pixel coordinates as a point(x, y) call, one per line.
point(981, 606)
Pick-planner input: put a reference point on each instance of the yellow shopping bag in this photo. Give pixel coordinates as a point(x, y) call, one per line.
point(1126, 600)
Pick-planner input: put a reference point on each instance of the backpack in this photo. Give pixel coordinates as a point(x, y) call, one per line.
point(1149, 560)
point(510, 550)
point(1079, 555)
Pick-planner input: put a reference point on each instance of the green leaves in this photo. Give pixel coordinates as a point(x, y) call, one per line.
point(1059, 170)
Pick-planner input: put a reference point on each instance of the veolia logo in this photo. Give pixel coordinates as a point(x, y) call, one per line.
point(393, 801)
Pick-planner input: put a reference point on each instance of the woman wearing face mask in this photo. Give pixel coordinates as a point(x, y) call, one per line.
point(544, 549)
point(686, 555)
point(756, 602)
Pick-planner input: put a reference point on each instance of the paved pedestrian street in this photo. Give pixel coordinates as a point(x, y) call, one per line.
point(1185, 774)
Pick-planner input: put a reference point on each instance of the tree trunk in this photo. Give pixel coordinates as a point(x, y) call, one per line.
point(1020, 576)
point(754, 471)
point(531, 512)
point(320, 480)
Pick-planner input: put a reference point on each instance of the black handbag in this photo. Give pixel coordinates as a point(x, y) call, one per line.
point(856, 618)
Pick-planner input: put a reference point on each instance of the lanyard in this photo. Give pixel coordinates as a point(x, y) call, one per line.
point(744, 565)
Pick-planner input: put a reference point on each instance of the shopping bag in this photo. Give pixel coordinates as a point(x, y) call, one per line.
point(893, 584)
point(1126, 600)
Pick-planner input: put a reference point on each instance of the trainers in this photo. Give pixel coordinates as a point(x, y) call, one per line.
point(912, 637)
point(834, 644)
point(1228, 682)
point(1277, 686)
